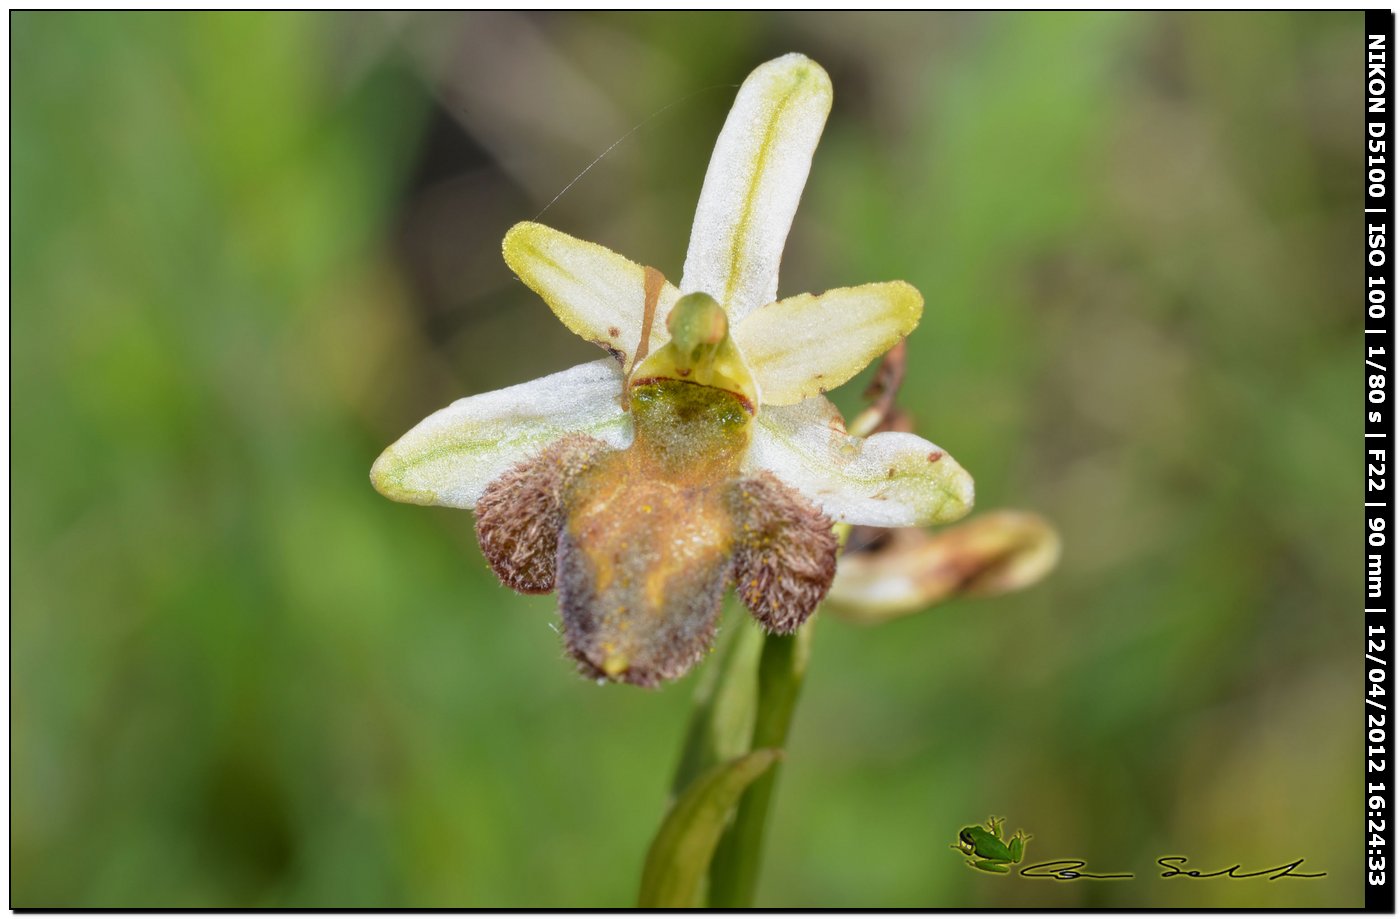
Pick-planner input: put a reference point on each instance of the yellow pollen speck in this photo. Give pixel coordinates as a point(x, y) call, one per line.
point(614, 664)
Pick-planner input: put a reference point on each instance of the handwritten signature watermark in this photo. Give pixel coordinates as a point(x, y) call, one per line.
point(1068, 869)
point(988, 848)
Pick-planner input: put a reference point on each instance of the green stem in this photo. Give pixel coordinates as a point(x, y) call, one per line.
point(735, 867)
point(721, 723)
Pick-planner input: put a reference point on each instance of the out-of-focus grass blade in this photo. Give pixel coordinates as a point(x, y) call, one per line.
point(680, 854)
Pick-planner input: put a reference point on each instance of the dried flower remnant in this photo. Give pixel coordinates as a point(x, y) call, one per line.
point(910, 569)
point(886, 573)
point(702, 453)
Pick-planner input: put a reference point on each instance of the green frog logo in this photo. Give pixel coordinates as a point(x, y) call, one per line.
point(987, 849)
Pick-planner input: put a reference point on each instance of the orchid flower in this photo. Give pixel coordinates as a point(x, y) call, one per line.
point(702, 452)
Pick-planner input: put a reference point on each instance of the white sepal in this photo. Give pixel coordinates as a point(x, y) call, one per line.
point(452, 455)
point(753, 184)
point(890, 479)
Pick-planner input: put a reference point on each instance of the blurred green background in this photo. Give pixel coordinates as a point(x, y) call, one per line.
point(250, 250)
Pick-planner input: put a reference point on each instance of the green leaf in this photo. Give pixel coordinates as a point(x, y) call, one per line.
point(680, 854)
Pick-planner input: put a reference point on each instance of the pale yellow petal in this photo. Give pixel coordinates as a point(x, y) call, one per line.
point(805, 345)
point(596, 293)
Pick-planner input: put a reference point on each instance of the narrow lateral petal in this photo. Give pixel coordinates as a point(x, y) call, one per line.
point(890, 479)
point(596, 293)
point(805, 345)
point(452, 455)
point(753, 184)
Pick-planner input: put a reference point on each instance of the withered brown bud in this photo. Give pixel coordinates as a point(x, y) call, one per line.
point(519, 516)
point(912, 569)
point(785, 552)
